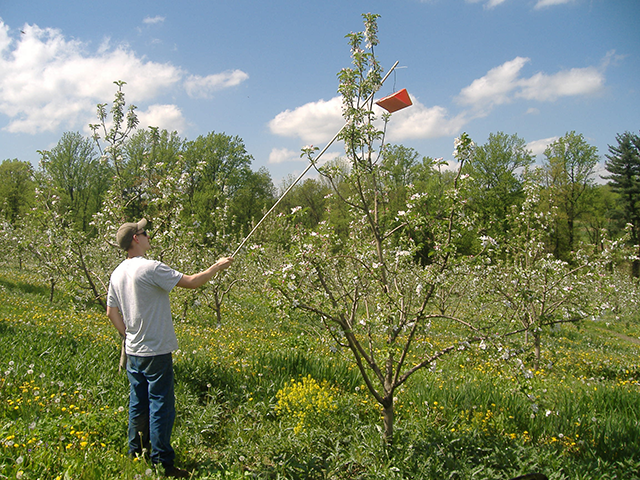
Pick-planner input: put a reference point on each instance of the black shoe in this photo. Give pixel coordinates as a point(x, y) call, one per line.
point(175, 472)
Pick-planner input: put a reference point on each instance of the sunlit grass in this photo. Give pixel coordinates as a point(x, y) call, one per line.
point(263, 396)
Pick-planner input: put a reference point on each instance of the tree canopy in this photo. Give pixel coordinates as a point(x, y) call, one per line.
point(17, 189)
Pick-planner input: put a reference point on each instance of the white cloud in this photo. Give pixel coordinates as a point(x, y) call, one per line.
point(451, 165)
point(318, 122)
point(203, 87)
point(314, 122)
point(574, 82)
point(48, 82)
point(5, 41)
point(495, 87)
point(504, 83)
point(494, 3)
point(550, 3)
point(489, 4)
point(165, 117)
point(281, 155)
point(538, 147)
point(153, 20)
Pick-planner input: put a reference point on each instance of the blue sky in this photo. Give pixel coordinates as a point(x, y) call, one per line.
point(266, 70)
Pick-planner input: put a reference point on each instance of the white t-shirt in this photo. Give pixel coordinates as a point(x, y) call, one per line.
point(140, 288)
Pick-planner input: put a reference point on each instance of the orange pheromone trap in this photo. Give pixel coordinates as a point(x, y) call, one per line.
point(395, 101)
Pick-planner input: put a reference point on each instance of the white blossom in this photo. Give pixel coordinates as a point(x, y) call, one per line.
point(487, 240)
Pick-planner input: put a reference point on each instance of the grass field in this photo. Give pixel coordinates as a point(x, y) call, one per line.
point(264, 397)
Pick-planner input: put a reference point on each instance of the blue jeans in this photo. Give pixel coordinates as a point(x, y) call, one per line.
point(152, 407)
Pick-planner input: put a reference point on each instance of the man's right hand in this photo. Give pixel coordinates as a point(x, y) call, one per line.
point(199, 279)
point(224, 262)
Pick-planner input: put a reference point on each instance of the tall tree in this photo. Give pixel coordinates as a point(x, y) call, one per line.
point(150, 157)
point(624, 167)
point(399, 167)
point(433, 182)
point(77, 175)
point(16, 189)
point(310, 196)
point(569, 172)
point(17, 196)
point(216, 165)
point(252, 199)
point(496, 171)
point(601, 216)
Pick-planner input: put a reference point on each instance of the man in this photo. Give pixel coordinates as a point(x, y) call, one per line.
point(138, 306)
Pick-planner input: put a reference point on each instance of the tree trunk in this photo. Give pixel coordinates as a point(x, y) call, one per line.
point(570, 226)
point(185, 309)
point(635, 266)
point(387, 418)
point(218, 316)
point(96, 294)
point(218, 309)
point(536, 343)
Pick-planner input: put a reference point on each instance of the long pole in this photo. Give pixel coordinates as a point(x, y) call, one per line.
point(308, 167)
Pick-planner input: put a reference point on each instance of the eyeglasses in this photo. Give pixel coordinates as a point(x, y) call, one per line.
point(144, 232)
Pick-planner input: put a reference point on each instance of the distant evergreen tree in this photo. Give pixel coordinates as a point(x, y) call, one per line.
point(624, 166)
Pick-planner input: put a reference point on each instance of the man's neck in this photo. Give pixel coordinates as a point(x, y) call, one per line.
point(135, 252)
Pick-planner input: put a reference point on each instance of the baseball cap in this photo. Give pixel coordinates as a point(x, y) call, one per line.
point(127, 231)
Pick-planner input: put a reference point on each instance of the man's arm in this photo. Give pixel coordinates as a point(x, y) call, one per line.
point(199, 279)
point(116, 318)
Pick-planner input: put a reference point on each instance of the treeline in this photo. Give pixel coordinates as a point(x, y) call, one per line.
point(205, 191)
point(221, 194)
point(214, 169)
